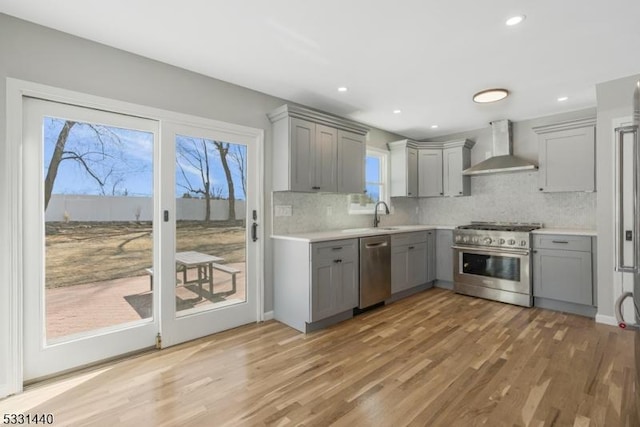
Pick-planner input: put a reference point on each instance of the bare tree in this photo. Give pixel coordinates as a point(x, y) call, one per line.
point(98, 157)
point(239, 158)
point(223, 149)
point(196, 155)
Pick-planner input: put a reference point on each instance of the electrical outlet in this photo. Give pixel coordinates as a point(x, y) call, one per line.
point(283, 210)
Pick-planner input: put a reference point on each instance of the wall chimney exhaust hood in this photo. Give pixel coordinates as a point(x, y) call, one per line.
point(503, 159)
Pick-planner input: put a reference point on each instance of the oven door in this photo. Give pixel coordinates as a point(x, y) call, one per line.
point(504, 270)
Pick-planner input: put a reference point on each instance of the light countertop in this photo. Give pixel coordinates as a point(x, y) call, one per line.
point(567, 231)
point(352, 233)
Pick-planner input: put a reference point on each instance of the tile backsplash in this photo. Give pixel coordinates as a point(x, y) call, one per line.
point(512, 197)
point(318, 212)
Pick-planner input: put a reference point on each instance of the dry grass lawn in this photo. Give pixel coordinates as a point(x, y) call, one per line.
point(87, 252)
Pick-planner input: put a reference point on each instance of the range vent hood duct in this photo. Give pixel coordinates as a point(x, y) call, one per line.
point(503, 159)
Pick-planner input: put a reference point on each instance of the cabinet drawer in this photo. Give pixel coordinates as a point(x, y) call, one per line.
point(409, 238)
point(344, 249)
point(562, 242)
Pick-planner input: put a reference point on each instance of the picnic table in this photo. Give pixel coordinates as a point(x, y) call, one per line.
point(204, 264)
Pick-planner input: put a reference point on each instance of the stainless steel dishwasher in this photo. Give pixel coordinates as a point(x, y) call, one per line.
point(375, 270)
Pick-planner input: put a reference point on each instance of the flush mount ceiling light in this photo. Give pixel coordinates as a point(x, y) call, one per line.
point(490, 95)
point(514, 20)
point(342, 89)
point(397, 111)
point(563, 98)
point(434, 126)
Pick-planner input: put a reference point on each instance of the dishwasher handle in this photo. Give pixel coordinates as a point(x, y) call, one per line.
point(376, 245)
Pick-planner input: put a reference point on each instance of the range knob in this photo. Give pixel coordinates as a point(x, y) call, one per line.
point(523, 243)
point(511, 242)
point(501, 241)
point(458, 238)
point(465, 239)
point(487, 240)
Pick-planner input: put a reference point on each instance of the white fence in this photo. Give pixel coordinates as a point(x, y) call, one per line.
point(124, 208)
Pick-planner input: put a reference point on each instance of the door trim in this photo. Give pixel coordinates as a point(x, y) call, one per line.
point(11, 296)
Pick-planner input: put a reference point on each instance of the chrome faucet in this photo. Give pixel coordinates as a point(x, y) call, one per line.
point(376, 220)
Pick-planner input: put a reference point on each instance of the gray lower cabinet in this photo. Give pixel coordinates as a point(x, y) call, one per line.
point(334, 280)
point(412, 260)
point(444, 257)
point(314, 282)
point(431, 255)
point(562, 269)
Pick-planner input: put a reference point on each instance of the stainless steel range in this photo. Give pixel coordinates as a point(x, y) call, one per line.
point(493, 260)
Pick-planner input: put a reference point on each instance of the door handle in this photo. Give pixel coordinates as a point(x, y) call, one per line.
point(254, 232)
point(375, 245)
point(620, 236)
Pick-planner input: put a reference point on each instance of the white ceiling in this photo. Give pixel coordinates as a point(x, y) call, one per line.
point(424, 57)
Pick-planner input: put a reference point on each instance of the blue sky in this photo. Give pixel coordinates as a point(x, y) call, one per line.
point(123, 160)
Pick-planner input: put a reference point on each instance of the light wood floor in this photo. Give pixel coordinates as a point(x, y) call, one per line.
point(435, 359)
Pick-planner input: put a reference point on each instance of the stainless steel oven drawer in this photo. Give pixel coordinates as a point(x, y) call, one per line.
point(562, 241)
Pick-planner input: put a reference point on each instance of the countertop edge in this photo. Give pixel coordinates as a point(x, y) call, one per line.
point(567, 231)
point(322, 236)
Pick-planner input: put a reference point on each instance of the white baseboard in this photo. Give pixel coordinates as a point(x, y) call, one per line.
point(268, 315)
point(606, 320)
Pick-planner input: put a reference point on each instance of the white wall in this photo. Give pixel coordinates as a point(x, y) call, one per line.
point(615, 100)
point(124, 208)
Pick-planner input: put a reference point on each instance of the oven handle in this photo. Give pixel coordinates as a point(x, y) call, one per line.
point(492, 250)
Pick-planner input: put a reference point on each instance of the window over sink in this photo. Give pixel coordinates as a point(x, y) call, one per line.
point(376, 183)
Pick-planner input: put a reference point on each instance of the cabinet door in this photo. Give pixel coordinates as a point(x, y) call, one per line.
point(417, 274)
point(452, 165)
point(567, 160)
point(430, 173)
point(431, 256)
point(324, 281)
point(351, 156)
point(326, 159)
point(303, 137)
point(412, 172)
point(563, 276)
point(399, 268)
point(444, 255)
point(347, 293)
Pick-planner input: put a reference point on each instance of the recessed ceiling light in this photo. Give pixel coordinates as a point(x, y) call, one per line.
point(515, 20)
point(397, 111)
point(342, 89)
point(434, 126)
point(563, 98)
point(490, 95)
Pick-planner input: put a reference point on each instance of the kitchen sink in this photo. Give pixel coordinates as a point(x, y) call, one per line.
point(368, 229)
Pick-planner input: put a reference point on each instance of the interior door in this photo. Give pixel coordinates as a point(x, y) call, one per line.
point(90, 225)
point(210, 231)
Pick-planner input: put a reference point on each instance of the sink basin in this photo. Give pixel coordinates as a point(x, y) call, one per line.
point(356, 230)
point(368, 229)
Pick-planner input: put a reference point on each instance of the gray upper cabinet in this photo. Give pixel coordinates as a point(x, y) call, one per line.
point(404, 168)
point(316, 152)
point(566, 154)
point(439, 168)
point(456, 159)
point(562, 268)
point(430, 172)
point(351, 151)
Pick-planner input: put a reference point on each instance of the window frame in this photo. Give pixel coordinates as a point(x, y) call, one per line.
point(383, 156)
